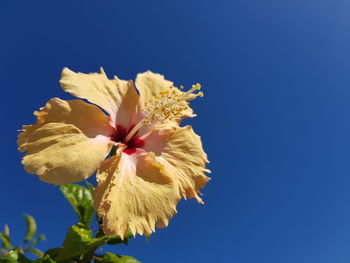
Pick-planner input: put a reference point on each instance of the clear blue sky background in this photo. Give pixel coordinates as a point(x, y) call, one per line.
point(274, 119)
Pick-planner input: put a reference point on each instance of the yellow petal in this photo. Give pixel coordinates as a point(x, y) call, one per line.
point(111, 95)
point(150, 85)
point(180, 150)
point(68, 143)
point(135, 193)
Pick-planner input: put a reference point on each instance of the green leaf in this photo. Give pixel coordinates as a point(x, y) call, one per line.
point(79, 241)
point(112, 258)
point(114, 240)
point(90, 186)
point(31, 227)
point(37, 252)
point(10, 258)
point(41, 237)
point(31, 245)
point(5, 238)
point(81, 200)
point(15, 257)
point(5, 241)
point(53, 252)
point(45, 259)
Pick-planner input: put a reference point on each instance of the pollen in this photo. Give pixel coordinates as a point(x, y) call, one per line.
point(169, 105)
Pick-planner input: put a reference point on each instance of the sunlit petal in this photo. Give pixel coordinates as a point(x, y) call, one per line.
point(117, 97)
point(68, 143)
point(180, 150)
point(136, 193)
point(150, 85)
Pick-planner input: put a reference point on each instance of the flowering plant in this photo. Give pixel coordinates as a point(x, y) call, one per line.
point(130, 136)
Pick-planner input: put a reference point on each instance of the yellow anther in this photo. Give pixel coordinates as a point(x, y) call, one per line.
point(196, 87)
point(168, 105)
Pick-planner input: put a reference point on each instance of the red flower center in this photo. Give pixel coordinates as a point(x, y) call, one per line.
point(132, 144)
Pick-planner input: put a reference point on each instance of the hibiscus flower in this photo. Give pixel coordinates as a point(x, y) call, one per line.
point(156, 162)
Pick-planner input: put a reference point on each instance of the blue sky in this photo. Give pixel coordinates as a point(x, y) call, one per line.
point(274, 119)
